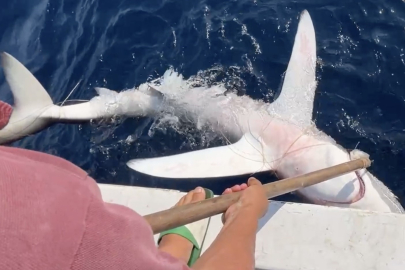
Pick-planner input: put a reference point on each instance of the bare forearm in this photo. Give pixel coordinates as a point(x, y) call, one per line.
point(234, 247)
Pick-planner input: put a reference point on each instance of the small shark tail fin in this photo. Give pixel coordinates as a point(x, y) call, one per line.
point(29, 95)
point(296, 99)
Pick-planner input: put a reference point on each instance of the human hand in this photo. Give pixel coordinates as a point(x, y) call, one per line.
point(253, 199)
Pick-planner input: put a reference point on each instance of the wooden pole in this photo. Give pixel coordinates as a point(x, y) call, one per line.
point(185, 214)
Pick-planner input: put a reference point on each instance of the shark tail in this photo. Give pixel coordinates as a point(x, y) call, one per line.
point(31, 102)
point(33, 108)
point(30, 97)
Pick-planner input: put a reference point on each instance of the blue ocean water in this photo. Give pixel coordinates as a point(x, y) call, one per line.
point(360, 99)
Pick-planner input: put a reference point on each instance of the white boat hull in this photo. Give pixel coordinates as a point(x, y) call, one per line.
point(298, 236)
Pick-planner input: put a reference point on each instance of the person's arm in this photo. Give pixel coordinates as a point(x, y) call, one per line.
point(234, 247)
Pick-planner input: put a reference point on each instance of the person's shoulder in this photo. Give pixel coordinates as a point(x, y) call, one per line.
point(40, 157)
point(37, 168)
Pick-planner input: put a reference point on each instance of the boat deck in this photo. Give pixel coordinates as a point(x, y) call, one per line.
point(294, 236)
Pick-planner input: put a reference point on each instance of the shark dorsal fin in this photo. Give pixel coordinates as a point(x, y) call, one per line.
point(296, 99)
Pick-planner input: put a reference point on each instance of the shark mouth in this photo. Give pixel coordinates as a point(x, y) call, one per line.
point(357, 198)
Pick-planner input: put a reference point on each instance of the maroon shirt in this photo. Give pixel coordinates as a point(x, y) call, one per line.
point(52, 216)
point(5, 113)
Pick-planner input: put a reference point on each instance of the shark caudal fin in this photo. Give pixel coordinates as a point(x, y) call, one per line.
point(30, 101)
point(28, 93)
point(243, 157)
point(296, 99)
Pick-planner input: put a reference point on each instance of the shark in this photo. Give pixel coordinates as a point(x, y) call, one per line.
point(279, 137)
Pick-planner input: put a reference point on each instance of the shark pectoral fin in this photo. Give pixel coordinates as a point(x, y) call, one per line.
point(296, 99)
point(28, 93)
point(244, 157)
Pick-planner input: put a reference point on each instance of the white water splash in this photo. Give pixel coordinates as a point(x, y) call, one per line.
point(207, 24)
point(204, 107)
point(174, 37)
point(254, 41)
